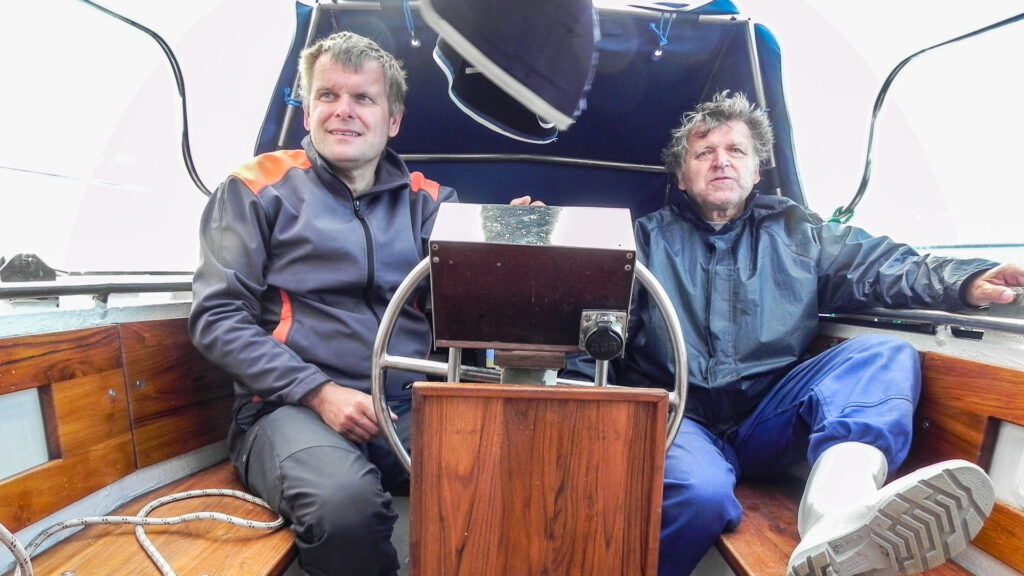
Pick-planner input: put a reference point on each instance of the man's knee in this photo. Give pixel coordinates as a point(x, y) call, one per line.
point(701, 503)
point(343, 501)
point(342, 518)
point(875, 365)
point(694, 513)
point(889, 348)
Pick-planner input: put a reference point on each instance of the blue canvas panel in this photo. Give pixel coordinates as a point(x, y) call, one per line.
point(635, 100)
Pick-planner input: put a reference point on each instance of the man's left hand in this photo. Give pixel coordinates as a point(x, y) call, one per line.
point(995, 286)
point(525, 201)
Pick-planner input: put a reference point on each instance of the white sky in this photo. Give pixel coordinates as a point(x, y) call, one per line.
point(946, 149)
point(950, 122)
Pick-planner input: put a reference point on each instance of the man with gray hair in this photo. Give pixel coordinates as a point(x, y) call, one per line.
point(748, 274)
point(301, 251)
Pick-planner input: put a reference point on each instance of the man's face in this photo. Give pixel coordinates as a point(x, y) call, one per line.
point(719, 170)
point(347, 115)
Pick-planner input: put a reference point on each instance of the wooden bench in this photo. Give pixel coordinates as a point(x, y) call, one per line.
point(961, 404)
point(116, 400)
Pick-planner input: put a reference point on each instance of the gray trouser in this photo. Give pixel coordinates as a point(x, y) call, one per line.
point(335, 493)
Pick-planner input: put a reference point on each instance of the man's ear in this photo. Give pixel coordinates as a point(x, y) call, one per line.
point(394, 123)
point(305, 116)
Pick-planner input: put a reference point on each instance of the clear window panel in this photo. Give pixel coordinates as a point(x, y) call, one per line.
point(21, 417)
point(1007, 469)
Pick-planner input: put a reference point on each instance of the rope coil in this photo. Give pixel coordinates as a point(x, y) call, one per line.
point(22, 555)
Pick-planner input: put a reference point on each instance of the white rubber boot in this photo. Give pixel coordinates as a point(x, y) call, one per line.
point(849, 525)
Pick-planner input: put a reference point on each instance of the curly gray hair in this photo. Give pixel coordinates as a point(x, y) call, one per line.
point(721, 109)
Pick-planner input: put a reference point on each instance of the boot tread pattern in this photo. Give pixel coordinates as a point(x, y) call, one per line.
point(919, 527)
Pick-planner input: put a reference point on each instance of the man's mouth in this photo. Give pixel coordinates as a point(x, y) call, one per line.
point(348, 133)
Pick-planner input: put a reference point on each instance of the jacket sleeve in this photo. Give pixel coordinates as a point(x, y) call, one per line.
point(857, 270)
point(429, 214)
point(228, 295)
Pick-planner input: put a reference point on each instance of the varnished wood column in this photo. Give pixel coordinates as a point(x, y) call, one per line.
point(528, 480)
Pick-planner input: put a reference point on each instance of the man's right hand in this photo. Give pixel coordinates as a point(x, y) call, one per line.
point(347, 411)
point(996, 286)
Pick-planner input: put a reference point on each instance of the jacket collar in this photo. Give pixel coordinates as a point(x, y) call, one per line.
point(757, 206)
point(391, 173)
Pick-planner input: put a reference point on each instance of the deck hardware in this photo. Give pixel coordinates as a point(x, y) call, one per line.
point(602, 333)
point(1013, 308)
point(661, 31)
point(410, 25)
point(965, 333)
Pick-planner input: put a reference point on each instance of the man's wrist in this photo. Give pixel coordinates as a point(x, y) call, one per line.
point(312, 399)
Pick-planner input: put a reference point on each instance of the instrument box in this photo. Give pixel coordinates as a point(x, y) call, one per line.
point(520, 277)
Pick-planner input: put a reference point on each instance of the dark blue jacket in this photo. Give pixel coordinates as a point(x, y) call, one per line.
point(748, 296)
point(295, 275)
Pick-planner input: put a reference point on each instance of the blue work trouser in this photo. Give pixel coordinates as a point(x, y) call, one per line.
point(335, 493)
point(863, 390)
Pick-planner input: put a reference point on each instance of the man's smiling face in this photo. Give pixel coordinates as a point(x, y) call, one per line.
point(347, 116)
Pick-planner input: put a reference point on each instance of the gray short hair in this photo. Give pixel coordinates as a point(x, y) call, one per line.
point(352, 51)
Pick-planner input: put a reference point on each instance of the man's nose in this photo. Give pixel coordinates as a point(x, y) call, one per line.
point(344, 106)
point(722, 159)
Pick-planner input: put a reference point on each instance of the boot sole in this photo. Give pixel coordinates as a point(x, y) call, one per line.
point(920, 521)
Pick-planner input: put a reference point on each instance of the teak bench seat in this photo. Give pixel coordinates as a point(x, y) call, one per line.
point(117, 399)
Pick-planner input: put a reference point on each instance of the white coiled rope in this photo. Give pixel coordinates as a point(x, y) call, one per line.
point(23, 555)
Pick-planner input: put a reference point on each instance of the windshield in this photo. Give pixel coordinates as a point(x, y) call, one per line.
point(92, 176)
point(960, 195)
point(947, 137)
point(91, 170)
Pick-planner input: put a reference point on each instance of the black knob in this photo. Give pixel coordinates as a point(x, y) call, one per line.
point(604, 342)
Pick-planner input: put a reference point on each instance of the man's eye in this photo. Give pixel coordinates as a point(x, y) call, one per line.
point(326, 97)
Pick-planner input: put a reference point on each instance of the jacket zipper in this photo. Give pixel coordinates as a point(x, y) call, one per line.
point(712, 354)
point(367, 289)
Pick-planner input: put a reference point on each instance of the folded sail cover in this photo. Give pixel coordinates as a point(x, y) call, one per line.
point(540, 53)
point(488, 104)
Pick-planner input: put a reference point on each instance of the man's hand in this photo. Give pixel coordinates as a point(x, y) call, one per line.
point(995, 286)
point(525, 201)
point(347, 411)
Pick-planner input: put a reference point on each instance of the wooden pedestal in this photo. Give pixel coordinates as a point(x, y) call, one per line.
point(529, 480)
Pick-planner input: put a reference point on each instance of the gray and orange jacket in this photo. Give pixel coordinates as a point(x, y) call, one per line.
point(295, 274)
